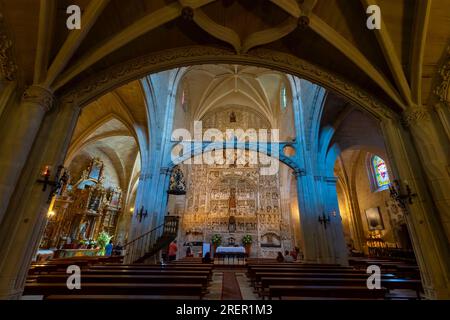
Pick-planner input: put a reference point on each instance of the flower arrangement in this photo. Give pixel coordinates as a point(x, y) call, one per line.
point(247, 240)
point(102, 240)
point(216, 239)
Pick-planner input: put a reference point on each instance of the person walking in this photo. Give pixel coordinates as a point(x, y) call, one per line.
point(173, 250)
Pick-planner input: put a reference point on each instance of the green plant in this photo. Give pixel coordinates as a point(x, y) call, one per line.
point(216, 239)
point(103, 239)
point(247, 240)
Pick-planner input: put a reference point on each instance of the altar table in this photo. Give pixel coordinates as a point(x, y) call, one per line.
point(230, 250)
point(231, 254)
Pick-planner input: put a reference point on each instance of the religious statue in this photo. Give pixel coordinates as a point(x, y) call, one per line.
point(232, 200)
point(232, 224)
point(83, 228)
point(232, 117)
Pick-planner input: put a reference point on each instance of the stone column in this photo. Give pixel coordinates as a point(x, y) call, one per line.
point(433, 148)
point(18, 134)
point(307, 219)
point(136, 227)
point(422, 217)
point(443, 112)
point(336, 236)
point(23, 223)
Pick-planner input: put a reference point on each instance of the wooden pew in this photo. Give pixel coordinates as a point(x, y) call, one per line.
point(348, 292)
point(46, 289)
point(251, 271)
point(147, 272)
point(388, 283)
point(134, 272)
point(298, 265)
point(119, 297)
point(61, 278)
point(149, 267)
point(256, 281)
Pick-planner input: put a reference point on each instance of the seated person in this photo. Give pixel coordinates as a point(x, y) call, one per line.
point(117, 251)
point(207, 258)
point(280, 257)
point(288, 257)
point(294, 253)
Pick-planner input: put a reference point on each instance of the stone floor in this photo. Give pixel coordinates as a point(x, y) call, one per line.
point(246, 289)
point(215, 288)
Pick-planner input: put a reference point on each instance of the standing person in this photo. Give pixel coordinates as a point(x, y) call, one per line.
point(189, 252)
point(109, 248)
point(173, 250)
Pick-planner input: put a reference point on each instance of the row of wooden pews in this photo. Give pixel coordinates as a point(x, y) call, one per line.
point(404, 269)
point(62, 264)
point(321, 281)
point(111, 281)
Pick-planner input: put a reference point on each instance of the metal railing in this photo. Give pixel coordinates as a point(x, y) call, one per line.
point(145, 243)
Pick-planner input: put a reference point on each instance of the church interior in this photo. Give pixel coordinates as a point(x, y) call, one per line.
point(224, 150)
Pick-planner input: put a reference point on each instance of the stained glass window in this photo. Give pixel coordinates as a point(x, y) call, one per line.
point(283, 98)
point(380, 172)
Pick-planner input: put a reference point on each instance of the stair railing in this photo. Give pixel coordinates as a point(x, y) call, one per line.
point(139, 246)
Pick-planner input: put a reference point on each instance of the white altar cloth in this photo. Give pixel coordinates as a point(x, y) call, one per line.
point(230, 250)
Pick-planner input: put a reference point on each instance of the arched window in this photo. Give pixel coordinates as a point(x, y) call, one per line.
point(380, 173)
point(283, 97)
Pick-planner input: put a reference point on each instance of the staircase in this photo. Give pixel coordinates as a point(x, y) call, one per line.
point(153, 241)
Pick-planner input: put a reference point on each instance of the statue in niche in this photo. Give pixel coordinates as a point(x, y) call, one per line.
point(232, 117)
point(177, 184)
point(232, 200)
point(83, 229)
point(232, 224)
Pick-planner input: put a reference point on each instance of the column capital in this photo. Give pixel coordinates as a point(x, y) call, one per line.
point(415, 115)
point(39, 95)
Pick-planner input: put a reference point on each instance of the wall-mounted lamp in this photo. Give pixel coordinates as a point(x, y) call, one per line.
point(324, 220)
point(401, 198)
point(61, 178)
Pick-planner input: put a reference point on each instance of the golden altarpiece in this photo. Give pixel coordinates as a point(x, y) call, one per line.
point(80, 211)
point(234, 199)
